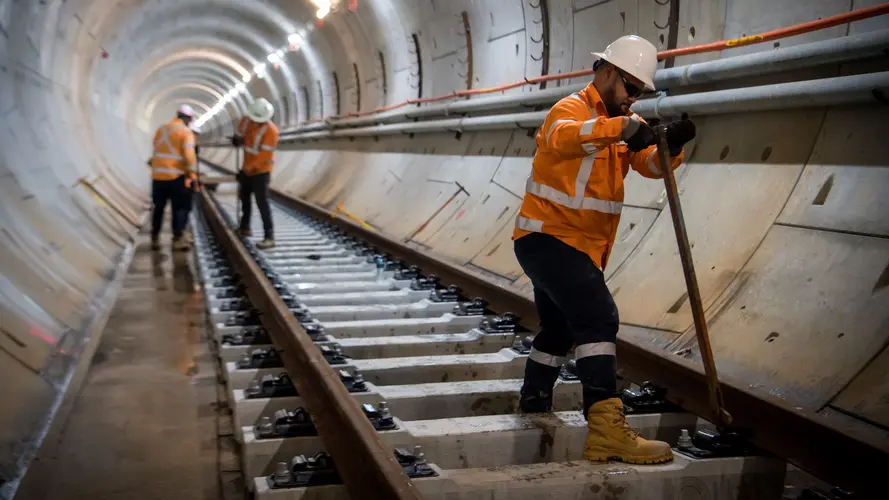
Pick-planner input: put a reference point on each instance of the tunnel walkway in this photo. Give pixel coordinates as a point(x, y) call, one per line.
point(144, 425)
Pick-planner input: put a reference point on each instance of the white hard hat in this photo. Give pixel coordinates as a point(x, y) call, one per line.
point(194, 127)
point(634, 55)
point(186, 110)
point(260, 111)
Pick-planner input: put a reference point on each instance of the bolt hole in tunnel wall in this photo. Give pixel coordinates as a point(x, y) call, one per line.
point(785, 196)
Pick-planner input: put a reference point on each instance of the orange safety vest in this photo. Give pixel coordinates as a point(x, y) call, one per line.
point(260, 141)
point(173, 151)
point(576, 188)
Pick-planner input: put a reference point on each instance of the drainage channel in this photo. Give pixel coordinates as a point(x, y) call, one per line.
point(437, 376)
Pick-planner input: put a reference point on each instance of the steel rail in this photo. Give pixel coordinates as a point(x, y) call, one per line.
point(367, 466)
point(843, 455)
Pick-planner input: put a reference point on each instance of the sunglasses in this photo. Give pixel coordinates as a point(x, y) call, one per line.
point(632, 90)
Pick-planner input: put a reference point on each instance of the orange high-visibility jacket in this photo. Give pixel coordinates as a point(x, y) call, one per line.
point(260, 141)
point(576, 188)
point(173, 151)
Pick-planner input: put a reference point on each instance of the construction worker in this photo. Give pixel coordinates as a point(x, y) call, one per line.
point(173, 159)
point(565, 231)
point(259, 138)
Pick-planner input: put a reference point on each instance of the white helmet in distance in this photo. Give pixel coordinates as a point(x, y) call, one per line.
point(633, 55)
point(260, 111)
point(186, 110)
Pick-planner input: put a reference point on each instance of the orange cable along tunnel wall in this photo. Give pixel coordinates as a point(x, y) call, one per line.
point(785, 207)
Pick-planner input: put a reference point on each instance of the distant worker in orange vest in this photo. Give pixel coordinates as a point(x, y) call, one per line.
point(259, 138)
point(565, 231)
point(173, 159)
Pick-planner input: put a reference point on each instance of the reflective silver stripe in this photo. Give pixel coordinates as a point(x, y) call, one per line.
point(188, 145)
point(652, 166)
point(553, 127)
point(575, 96)
point(581, 203)
point(261, 133)
point(169, 171)
point(526, 224)
point(587, 127)
point(594, 349)
point(242, 127)
point(547, 359)
point(583, 177)
point(256, 143)
point(267, 148)
point(165, 140)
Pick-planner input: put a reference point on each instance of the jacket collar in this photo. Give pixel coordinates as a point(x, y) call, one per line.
point(595, 102)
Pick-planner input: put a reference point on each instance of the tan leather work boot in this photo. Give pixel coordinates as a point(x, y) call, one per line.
point(265, 244)
point(245, 233)
point(610, 438)
point(188, 236)
point(181, 244)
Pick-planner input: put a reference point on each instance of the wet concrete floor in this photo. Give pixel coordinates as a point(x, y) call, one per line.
point(147, 423)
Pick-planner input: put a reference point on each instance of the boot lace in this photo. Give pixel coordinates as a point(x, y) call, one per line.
point(621, 419)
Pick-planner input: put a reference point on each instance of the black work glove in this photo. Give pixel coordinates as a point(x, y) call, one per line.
point(240, 176)
point(679, 133)
point(237, 141)
point(641, 138)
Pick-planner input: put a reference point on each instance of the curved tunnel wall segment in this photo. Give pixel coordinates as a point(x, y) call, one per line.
point(785, 207)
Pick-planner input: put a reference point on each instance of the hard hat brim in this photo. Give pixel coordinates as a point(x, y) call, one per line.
point(186, 110)
point(259, 118)
point(649, 85)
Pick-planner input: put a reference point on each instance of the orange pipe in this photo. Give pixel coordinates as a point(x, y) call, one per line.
point(827, 22)
point(799, 29)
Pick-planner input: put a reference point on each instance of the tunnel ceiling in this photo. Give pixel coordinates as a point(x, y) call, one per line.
point(786, 205)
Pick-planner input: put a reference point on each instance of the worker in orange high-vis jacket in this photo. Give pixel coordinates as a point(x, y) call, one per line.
point(259, 137)
point(173, 159)
point(565, 231)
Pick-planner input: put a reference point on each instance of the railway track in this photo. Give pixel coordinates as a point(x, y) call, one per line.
point(437, 376)
point(435, 349)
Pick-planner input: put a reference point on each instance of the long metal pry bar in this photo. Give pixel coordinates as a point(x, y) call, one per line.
point(721, 416)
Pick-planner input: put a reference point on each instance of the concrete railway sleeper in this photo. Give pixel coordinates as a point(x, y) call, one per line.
point(437, 375)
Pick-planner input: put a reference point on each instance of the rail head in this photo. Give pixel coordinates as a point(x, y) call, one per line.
point(368, 467)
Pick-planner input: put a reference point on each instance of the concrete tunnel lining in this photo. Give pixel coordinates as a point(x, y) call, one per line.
point(777, 202)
